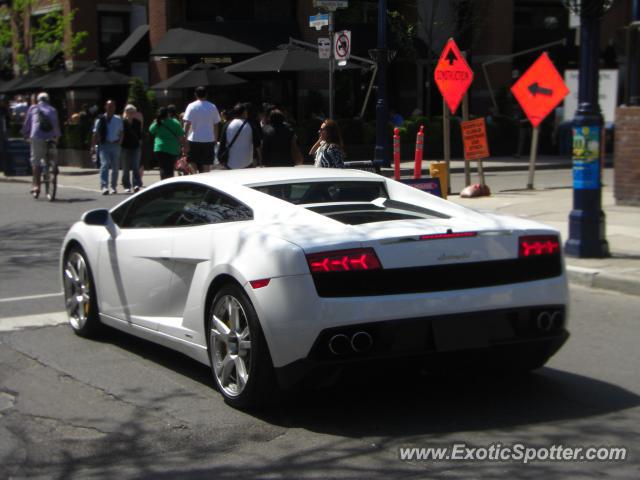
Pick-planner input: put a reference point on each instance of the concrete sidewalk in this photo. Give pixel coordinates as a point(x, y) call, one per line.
point(620, 272)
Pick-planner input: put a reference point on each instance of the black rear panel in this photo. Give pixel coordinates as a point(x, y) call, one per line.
point(436, 278)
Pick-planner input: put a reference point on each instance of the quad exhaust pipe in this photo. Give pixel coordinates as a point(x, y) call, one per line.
point(547, 321)
point(359, 342)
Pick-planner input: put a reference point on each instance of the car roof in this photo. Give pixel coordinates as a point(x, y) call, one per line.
point(257, 176)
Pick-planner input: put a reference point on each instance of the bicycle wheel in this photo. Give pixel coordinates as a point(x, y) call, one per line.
point(52, 184)
point(46, 175)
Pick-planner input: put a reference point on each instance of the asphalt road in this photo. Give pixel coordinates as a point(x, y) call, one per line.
point(124, 408)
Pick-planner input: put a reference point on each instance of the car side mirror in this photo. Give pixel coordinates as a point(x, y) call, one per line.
point(97, 217)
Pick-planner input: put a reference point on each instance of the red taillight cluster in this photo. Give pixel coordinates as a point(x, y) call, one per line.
point(344, 261)
point(537, 245)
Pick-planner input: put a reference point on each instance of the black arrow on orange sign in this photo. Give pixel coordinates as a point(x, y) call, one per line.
point(534, 88)
point(451, 57)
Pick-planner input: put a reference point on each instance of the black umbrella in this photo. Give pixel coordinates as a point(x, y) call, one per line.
point(285, 59)
point(200, 74)
point(92, 77)
point(43, 82)
point(15, 85)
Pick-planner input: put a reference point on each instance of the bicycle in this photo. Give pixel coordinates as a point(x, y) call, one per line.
point(48, 173)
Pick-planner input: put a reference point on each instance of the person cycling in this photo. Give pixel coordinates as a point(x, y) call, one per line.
point(41, 126)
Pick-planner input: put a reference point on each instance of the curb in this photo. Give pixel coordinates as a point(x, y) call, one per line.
point(593, 278)
point(408, 172)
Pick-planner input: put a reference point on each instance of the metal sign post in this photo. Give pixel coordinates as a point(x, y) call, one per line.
point(446, 133)
point(331, 6)
point(532, 156)
point(538, 91)
point(465, 117)
point(331, 66)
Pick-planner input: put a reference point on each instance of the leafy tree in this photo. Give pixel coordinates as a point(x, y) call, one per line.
point(46, 33)
point(143, 99)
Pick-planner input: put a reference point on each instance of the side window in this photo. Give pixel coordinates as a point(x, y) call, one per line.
point(167, 206)
point(216, 207)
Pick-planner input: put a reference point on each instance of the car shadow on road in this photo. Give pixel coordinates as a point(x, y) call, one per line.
point(399, 401)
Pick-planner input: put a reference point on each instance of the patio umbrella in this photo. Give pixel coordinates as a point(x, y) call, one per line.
point(285, 59)
point(15, 84)
point(92, 77)
point(43, 82)
point(200, 74)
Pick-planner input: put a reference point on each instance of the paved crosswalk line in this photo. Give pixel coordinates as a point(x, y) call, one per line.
point(10, 324)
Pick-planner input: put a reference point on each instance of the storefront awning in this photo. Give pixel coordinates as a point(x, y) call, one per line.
point(222, 38)
point(135, 47)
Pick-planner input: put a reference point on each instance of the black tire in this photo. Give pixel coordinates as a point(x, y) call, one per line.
point(260, 386)
point(52, 185)
point(79, 294)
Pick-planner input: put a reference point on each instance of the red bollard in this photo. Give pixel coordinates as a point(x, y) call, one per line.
point(396, 154)
point(417, 169)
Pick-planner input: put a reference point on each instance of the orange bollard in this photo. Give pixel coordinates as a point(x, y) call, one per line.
point(396, 153)
point(417, 168)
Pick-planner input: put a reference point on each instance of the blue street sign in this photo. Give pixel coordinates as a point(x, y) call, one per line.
point(318, 21)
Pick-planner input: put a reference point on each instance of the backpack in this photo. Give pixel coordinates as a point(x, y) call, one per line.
point(44, 123)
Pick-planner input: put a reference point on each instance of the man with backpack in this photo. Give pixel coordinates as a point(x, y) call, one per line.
point(41, 126)
point(107, 134)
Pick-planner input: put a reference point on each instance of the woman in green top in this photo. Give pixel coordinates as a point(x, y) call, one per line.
point(169, 137)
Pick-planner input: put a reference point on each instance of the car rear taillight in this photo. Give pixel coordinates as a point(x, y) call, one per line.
point(537, 245)
point(344, 261)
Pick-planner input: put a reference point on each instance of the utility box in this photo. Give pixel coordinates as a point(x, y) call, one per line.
point(16, 157)
point(440, 170)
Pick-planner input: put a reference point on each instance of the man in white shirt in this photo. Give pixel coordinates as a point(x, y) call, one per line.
point(201, 123)
point(241, 151)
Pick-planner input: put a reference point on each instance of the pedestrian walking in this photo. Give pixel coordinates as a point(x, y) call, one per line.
point(279, 142)
point(107, 135)
point(169, 137)
point(328, 149)
point(130, 155)
point(256, 131)
point(236, 146)
point(201, 125)
point(41, 126)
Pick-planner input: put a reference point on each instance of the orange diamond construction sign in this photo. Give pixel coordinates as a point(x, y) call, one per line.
point(452, 75)
point(539, 90)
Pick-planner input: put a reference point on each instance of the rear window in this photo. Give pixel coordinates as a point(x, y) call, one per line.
point(360, 213)
point(303, 193)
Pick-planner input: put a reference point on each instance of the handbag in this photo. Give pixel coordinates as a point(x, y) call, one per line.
point(184, 166)
point(223, 152)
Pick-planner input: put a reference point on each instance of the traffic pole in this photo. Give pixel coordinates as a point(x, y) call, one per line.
point(587, 220)
point(396, 153)
point(417, 167)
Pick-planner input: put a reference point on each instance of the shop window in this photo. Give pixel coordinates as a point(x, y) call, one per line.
point(113, 30)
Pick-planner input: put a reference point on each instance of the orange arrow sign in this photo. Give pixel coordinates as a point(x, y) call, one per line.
point(540, 89)
point(452, 75)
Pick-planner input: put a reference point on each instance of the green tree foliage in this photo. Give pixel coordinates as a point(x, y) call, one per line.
point(46, 33)
point(143, 99)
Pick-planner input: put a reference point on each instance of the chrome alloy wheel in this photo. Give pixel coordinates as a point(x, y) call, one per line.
point(230, 341)
point(77, 290)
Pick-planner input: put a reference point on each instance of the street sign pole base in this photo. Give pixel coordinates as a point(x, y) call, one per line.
point(586, 231)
